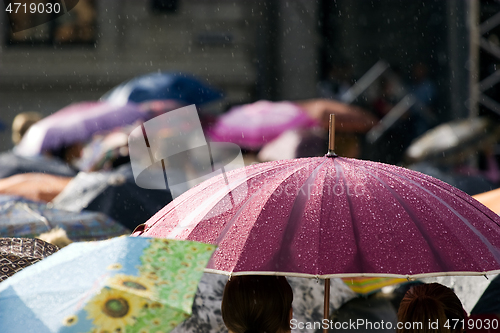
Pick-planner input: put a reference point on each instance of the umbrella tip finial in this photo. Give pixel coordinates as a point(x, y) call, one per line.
point(331, 137)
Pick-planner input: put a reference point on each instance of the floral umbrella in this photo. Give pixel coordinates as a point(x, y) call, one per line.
point(124, 284)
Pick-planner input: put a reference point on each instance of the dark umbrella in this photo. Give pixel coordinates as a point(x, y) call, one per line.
point(114, 193)
point(489, 301)
point(17, 253)
point(485, 316)
point(175, 86)
point(25, 218)
point(470, 184)
point(13, 164)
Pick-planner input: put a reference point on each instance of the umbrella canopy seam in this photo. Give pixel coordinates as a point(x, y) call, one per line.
point(339, 171)
point(418, 223)
point(296, 212)
point(494, 251)
point(248, 200)
point(186, 197)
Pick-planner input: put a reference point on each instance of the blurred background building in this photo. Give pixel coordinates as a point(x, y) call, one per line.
point(269, 49)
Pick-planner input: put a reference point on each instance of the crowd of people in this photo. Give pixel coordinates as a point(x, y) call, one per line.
point(257, 304)
point(250, 304)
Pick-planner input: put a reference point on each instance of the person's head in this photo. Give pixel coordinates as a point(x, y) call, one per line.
point(257, 304)
point(428, 304)
point(22, 122)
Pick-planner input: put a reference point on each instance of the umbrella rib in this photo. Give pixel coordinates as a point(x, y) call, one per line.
point(416, 221)
point(339, 171)
point(294, 217)
point(494, 251)
point(248, 200)
point(481, 212)
point(171, 206)
point(235, 216)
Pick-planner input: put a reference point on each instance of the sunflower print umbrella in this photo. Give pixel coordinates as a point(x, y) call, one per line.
point(124, 285)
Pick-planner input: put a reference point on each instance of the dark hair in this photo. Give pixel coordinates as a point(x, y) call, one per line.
point(256, 304)
point(428, 303)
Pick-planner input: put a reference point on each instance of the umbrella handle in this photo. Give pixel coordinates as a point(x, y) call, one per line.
point(331, 137)
point(326, 303)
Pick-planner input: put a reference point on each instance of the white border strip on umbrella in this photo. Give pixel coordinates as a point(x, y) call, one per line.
point(352, 275)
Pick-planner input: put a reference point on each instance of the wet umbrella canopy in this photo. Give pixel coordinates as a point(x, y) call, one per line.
point(453, 141)
point(282, 50)
point(252, 125)
point(333, 216)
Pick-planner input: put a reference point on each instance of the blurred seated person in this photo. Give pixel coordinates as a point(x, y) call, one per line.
point(431, 303)
point(388, 92)
point(257, 304)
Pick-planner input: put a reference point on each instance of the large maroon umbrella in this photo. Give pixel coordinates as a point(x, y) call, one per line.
point(334, 217)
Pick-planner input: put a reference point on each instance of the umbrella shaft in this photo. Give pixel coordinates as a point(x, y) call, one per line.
point(327, 303)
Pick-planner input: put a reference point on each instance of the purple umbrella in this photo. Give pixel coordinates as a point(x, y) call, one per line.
point(76, 123)
point(253, 125)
